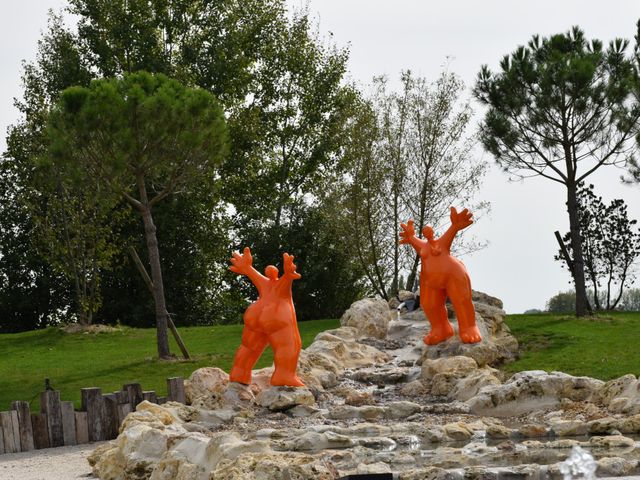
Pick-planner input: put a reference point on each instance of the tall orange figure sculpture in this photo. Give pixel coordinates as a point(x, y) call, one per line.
point(270, 320)
point(443, 276)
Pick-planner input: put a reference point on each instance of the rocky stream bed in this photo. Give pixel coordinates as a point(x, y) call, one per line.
point(378, 400)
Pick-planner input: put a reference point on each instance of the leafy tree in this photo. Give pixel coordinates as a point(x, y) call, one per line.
point(562, 302)
point(410, 156)
point(560, 108)
point(610, 246)
point(631, 300)
point(143, 136)
point(288, 144)
point(37, 292)
point(247, 54)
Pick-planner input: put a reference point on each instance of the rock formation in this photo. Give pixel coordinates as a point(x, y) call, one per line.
point(378, 400)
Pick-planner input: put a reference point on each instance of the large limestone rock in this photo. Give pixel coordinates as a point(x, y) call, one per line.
point(205, 381)
point(332, 352)
point(274, 466)
point(278, 399)
point(532, 390)
point(369, 316)
point(354, 416)
point(498, 345)
point(620, 395)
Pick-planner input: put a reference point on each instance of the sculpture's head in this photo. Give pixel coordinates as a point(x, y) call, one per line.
point(271, 272)
point(427, 232)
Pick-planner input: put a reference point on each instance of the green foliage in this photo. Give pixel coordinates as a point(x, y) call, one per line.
point(561, 108)
point(110, 359)
point(283, 92)
point(140, 124)
point(409, 153)
point(595, 347)
point(610, 245)
point(631, 300)
point(562, 302)
point(33, 291)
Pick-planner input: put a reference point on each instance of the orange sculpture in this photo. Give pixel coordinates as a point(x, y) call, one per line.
point(269, 320)
point(443, 276)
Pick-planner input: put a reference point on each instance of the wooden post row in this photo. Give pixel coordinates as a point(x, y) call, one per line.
point(175, 389)
point(58, 424)
point(25, 428)
point(51, 407)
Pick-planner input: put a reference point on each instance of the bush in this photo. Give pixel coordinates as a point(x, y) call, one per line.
point(562, 302)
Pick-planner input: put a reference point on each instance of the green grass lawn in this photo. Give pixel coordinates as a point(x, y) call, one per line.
point(108, 360)
point(606, 347)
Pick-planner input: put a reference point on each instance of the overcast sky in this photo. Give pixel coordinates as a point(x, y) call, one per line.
point(387, 36)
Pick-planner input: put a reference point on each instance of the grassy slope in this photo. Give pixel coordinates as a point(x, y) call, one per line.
point(605, 348)
point(107, 360)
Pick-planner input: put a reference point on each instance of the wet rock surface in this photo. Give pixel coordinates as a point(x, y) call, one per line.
point(378, 400)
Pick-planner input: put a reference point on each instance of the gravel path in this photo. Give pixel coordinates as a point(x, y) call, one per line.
point(64, 463)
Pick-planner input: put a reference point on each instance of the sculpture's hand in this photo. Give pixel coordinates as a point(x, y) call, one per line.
point(408, 232)
point(289, 266)
point(462, 219)
point(241, 263)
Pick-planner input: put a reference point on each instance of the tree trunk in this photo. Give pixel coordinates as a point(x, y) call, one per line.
point(582, 306)
point(156, 273)
point(411, 279)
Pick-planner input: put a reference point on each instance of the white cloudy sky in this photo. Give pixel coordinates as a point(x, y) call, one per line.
point(387, 36)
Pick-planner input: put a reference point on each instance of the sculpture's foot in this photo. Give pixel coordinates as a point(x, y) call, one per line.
point(286, 380)
point(470, 335)
point(240, 375)
point(437, 335)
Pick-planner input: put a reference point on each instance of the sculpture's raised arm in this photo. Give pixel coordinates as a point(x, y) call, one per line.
point(459, 221)
point(408, 235)
point(243, 264)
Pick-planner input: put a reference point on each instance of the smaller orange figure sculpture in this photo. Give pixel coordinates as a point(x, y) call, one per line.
point(443, 276)
point(270, 320)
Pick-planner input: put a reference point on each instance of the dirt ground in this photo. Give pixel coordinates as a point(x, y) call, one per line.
point(64, 463)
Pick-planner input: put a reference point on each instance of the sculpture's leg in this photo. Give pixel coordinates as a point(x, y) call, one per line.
point(286, 344)
point(250, 349)
point(432, 301)
point(459, 291)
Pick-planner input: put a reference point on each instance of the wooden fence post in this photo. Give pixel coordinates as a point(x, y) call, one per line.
point(93, 404)
point(40, 430)
point(111, 415)
point(175, 389)
point(82, 428)
point(69, 423)
point(134, 390)
point(7, 430)
point(50, 406)
point(25, 427)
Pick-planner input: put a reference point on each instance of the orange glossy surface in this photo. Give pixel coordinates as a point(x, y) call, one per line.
point(270, 320)
point(443, 276)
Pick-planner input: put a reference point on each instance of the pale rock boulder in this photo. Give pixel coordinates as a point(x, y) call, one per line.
point(261, 380)
point(278, 399)
point(569, 428)
point(498, 345)
point(459, 366)
point(314, 441)
point(443, 374)
point(333, 351)
point(416, 388)
point(205, 381)
point(136, 451)
point(532, 390)
point(620, 395)
point(469, 386)
point(274, 466)
point(616, 467)
point(370, 317)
